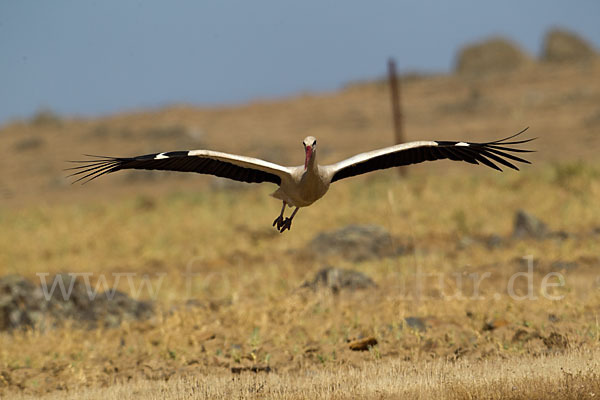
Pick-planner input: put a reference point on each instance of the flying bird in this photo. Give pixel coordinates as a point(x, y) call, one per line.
point(302, 185)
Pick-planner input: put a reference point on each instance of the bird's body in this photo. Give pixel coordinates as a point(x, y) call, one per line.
point(301, 186)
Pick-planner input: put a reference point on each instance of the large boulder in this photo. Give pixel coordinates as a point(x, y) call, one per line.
point(491, 56)
point(107, 308)
point(564, 46)
point(23, 304)
point(356, 243)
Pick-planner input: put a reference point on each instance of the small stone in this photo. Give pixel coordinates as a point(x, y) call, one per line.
point(563, 265)
point(556, 341)
point(520, 336)
point(362, 344)
point(495, 324)
point(416, 323)
point(553, 318)
point(528, 226)
point(494, 241)
point(204, 336)
point(524, 336)
point(311, 348)
point(255, 368)
point(339, 278)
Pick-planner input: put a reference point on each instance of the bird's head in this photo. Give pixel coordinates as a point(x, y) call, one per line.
point(310, 146)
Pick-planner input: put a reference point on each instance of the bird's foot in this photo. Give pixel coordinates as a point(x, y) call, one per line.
point(286, 224)
point(278, 222)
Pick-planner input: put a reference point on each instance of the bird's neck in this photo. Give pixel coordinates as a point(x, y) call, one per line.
point(312, 166)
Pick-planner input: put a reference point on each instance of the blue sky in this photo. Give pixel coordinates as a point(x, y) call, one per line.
point(87, 58)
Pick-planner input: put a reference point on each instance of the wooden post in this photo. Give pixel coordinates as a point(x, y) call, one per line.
point(396, 107)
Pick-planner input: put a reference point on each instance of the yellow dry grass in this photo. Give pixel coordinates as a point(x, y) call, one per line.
point(247, 306)
point(573, 375)
point(248, 309)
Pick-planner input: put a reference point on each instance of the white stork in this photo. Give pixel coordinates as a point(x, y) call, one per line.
point(303, 185)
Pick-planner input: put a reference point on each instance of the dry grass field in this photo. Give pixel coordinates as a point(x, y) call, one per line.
point(574, 375)
point(232, 318)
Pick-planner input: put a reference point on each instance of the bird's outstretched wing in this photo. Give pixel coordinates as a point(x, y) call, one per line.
point(239, 168)
point(488, 153)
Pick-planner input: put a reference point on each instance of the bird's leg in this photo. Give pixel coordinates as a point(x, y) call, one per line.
point(287, 224)
point(279, 220)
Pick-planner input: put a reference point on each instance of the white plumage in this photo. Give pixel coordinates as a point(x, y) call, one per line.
point(300, 186)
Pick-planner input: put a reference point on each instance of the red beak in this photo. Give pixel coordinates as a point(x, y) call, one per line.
point(309, 152)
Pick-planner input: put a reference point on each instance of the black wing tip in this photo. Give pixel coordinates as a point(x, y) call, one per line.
point(504, 141)
point(490, 153)
point(93, 168)
point(499, 148)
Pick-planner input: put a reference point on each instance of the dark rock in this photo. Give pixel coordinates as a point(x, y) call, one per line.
point(460, 352)
point(491, 242)
point(563, 265)
point(528, 226)
point(556, 341)
point(564, 46)
point(254, 368)
point(521, 335)
point(416, 323)
point(23, 304)
point(553, 318)
point(356, 243)
point(338, 278)
point(121, 307)
point(494, 241)
point(193, 303)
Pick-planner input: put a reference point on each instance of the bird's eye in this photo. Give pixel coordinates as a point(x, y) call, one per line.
point(314, 143)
